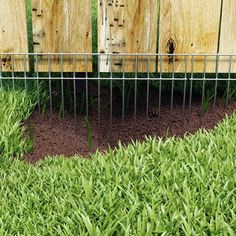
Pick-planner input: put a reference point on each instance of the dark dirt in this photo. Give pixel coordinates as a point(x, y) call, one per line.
point(69, 137)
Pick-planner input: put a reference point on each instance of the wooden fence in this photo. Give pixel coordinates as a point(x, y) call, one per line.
point(124, 26)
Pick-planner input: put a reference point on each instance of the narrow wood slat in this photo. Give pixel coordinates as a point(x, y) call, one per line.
point(127, 26)
point(13, 35)
point(189, 26)
point(62, 26)
point(228, 36)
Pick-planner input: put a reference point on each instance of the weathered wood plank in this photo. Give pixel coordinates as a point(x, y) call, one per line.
point(228, 36)
point(13, 34)
point(62, 26)
point(127, 26)
point(189, 26)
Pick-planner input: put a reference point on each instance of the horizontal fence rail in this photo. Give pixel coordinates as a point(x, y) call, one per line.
point(88, 59)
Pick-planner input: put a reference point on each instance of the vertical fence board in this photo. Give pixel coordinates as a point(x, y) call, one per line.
point(62, 26)
point(13, 34)
point(189, 26)
point(228, 36)
point(127, 26)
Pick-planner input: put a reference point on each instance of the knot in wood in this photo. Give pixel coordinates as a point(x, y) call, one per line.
point(171, 48)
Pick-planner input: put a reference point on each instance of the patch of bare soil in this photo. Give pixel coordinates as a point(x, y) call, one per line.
point(69, 137)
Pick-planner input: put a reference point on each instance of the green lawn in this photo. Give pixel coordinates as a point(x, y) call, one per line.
point(173, 187)
point(158, 187)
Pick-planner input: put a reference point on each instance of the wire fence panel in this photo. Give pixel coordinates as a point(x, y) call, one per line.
point(228, 35)
point(137, 91)
point(62, 26)
point(126, 82)
point(189, 26)
point(127, 26)
point(13, 34)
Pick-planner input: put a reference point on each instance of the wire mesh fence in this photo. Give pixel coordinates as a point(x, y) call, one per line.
point(215, 71)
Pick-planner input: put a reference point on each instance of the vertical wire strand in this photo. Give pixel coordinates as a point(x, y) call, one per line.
point(185, 90)
point(13, 72)
point(99, 99)
point(74, 86)
point(135, 86)
point(148, 88)
point(62, 87)
point(216, 82)
point(229, 80)
point(191, 84)
point(111, 90)
point(37, 83)
point(173, 83)
point(50, 87)
point(160, 85)
point(185, 85)
point(123, 91)
point(204, 85)
point(25, 75)
point(87, 87)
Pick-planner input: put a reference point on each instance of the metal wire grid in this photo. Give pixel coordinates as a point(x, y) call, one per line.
point(97, 75)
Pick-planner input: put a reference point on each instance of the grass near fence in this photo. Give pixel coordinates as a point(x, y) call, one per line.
point(14, 108)
point(172, 187)
point(157, 187)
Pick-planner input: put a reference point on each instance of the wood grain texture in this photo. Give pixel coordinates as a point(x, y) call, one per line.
point(228, 36)
point(62, 26)
point(189, 26)
point(13, 34)
point(127, 26)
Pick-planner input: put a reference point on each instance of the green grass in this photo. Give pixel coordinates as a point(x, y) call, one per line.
point(158, 187)
point(14, 108)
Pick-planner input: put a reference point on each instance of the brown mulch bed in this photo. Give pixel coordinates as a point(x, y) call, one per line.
point(69, 137)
